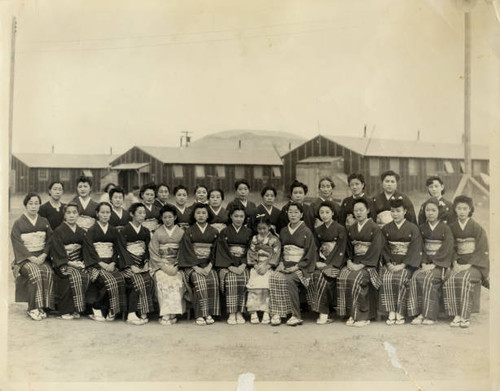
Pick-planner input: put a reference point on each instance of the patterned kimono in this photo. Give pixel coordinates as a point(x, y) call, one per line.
point(54, 215)
point(264, 252)
point(67, 246)
point(471, 247)
point(315, 205)
point(308, 217)
point(170, 289)
point(446, 214)
point(382, 209)
point(250, 209)
point(355, 296)
point(231, 250)
point(331, 242)
point(119, 221)
point(346, 215)
point(108, 247)
point(426, 285)
point(34, 283)
point(273, 215)
point(402, 245)
point(87, 213)
point(198, 249)
point(152, 215)
point(140, 285)
point(298, 249)
point(219, 218)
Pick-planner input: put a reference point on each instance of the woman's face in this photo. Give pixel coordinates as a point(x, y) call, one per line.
point(56, 191)
point(269, 198)
point(215, 199)
point(71, 215)
point(117, 200)
point(242, 191)
point(435, 189)
point(140, 215)
point(398, 214)
point(325, 214)
point(238, 218)
point(181, 197)
point(298, 194)
point(201, 194)
point(163, 194)
point(262, 229)
point(168, 219)
point(431, 212)
point(83, 189)
point(462, 210)
point(201, 215)
point(389, 184)
point(356, 187)
point(325, 189)
point(33, 206)
point(360, 212)
point(294, 214)
point(104, 214)
point(148, 196)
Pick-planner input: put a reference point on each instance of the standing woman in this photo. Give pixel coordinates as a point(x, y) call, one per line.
point(183, 212)
point(267, 209)
point(119, 216)
point(105, 255)
point(67, 258)
point(331, 239)
point(163, 250)
point(298, 192)
point(218, 214)
point(105, 197)
point(402, 254)
point(426, 283)
point(382, 206)
point(242, 189)
point(298, 262)
point(162, 193)
point(231, 260)
point(471, 267)
point(200, 194)
point(147, 195)
point(52, 210)
point(137, 277)
point(435, 188)
point(355, 297)
point(196, 258)
point(30, 236)
point(357, 186)
point(325, 187)
point(86, 206)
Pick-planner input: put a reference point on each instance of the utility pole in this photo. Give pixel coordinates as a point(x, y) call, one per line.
point(11, 95)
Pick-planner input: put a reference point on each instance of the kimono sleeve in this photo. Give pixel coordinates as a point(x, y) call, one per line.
point(21, 253)
point(308, 262)
point(410, 210)
point(337, 257)
point(154, 252)
point(444, 255)
point(252, 257)
point(276, 246)
point(414, 255)
point(186, 255)
point(122, 256)
point(481, 258)
point(223, 257)
point(90, 256)
point(57, 250)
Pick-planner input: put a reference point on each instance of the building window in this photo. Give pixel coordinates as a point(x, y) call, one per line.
point(394, 164)
point(178, 171)
point(448, 167)
point(87, 173)
point(374, 166)
point(64, 174)
point(476, 167)
point(430, 167)
point(239, 172)
point(276, 172)
point(221, 171)
point(199, 171)
point(258, 172)
point(43, 174)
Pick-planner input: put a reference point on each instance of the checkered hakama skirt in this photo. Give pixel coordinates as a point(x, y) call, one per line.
point(394, 289)
point(425, 292)
point(79, 281)
point(115, 287)
point(142, 284)
point(233, 286)
point(205, 292)
point(280, 302)
point(458, 289)
point(324, 290)
point(39, 282)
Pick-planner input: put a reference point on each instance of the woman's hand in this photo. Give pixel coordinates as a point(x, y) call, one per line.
point(320, 265)
point(135, 269)
point(428, 266)
point(112, 267)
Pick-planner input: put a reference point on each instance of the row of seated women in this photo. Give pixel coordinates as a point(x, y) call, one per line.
point(348, 267)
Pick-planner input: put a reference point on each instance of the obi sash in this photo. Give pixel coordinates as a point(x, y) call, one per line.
point(169, 251)
point(74, 252)
point(85, 222)
point(34, 241)
point(137, 249)
point(432, 246)
point(184, 226)
point(104, 249)
point(465, 246)
point(384, 218)
point(237, 250)
point(326, 249)
point(360, 248)
point(292, 253)
point(219, 226)
point(202, 250)
point(150, 224)
point(399, 248)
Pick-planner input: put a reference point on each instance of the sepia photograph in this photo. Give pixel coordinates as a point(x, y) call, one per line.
point(264, 195)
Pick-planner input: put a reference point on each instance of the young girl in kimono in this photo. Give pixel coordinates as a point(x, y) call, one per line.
point(298, 192)
point(218, 214)
point(356, 184)
point(230, 260)
point(30, 237)
point(196, 258)
point(147, 195)
point(183, 212)
point(263, 255)
point(162, 193)
point(267, 208)
point(355, 296)
point(67, 258)
point(52, 210)
point(163, 249)
point(86, 206)
point(331, 239)
point(402, 254)
point(242, 189)
point(105, 255)
point(298, 260)
point(325, 187)
point(381, 205)
point(137, 278)
point(435, 188)
point(426, 283)
point(119, 216)
point(471, 267)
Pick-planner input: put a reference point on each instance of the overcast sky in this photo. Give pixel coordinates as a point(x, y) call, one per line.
point(91, 75)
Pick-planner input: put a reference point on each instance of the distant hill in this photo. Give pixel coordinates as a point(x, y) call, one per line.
point(282, 142)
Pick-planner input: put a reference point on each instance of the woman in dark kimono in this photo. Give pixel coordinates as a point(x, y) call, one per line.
point(182, 211)
point(298, 192)
point(218, 214)
point(119, 216)
point(356, 184)
point(267, 209)
point(86, 205)
point(325, 188)
point(435, 188)
point(52, 210)
point(147, 195)
point(242, 189)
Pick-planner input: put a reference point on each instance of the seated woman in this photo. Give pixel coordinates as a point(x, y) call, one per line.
point(67, 258)
point(163, 250)
point(298, 262)
point(471, 267)
point(86, 205)
point(267, 208)
point(136, 238)
point(105, 255)
point(331, 239)
point(52, 210)
point(426, 283)
point(402, 254)
point(435, 188)
point(230, 260)
point(365, 242)
point(30, 238)
point(196, 258)
point(119, 216)
point(218, 214)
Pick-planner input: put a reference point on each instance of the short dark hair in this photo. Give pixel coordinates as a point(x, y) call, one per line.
point(55, 183)
point(432, 200)
point(180, 187)
point(389, 173)
point(328, 179)
point(357, 176)
point(71, 205)
point(262, 219)
point(162, 185)
point(293, 203)
point(396, 202)
point(234, 207)
point(136, 205)
point(84, 179)
point(241, 182)
point(296, 183)
point(199, 187)
point(29, 196)
point(116, 190)
point(219, 190)
point(265, 189)
point(107, 187)
point(147, 186)
point(167, 208)
point(431, 179)
point(462, 199)
point(196, 206)
point(364, 201)
point(328, 204)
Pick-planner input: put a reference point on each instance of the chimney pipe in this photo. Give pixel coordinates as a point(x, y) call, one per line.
point(53, 148)
point(418, 135)
point(364, 131)
point(290, 146)
point(239, 145)
point(110, 151)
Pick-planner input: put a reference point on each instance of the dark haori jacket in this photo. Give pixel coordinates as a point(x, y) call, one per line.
point(67, 245)
point(315, 205)
point(347, 208)
point(273, 216)
point(158, 204)
point(381, 204)
point(152, 215)
point(87, 216)
point(250, 209)
point(197, 247)
point(438, 244)
point(30, 240)
point(402, 245)
point(365, 246)
point(299, 248)
point(471, 246)
point(137, 244)
point(183, 217)
point(54, 215)
point(232, 246)
point(108, 247)
point(117, 221)
point(332, 243)
point(446, 213)
point(308, 217)
point(218, 220)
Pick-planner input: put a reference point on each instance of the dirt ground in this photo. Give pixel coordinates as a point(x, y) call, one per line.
point(83, 350)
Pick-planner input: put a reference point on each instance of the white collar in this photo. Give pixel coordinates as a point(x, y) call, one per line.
point(433, 226)
point(269, 211)
point(150, 207)
point(464, 224)
point(56, 207)
point(71, 228)
point(388, 198)
point(216, 212)
point(202, 229)
point(32, 221)
point(136, 229)
point(84, 203)
point(104, 228)
point(180, 209)
point(170, 231)
point(120, 213)
point(400, 224)
point(328, 226)
point(244, 203)
point(292, 230)
point(236, 229)
point(360, 226)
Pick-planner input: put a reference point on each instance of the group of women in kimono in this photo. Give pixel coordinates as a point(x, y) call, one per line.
point(364, 257)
